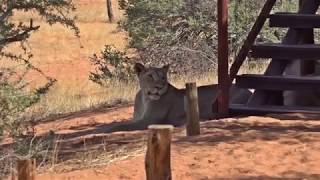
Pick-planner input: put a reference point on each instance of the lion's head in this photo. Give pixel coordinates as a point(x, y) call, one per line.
point(153, 81)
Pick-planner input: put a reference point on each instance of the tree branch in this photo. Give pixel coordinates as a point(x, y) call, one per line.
point(18, 37)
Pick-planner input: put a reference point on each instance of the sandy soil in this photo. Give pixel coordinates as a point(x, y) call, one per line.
point(235, 148)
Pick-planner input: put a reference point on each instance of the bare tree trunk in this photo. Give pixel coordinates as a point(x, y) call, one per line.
point(110, 11)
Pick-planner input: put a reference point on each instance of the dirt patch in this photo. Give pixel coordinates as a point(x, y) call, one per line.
point(243, 148)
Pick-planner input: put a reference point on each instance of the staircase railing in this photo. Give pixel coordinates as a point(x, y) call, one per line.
point(255, 30)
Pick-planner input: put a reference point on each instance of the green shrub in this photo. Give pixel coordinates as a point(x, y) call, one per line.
point(110, 65)
point(14, 100)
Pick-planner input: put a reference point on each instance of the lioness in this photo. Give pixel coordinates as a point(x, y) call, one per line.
point(158, 102)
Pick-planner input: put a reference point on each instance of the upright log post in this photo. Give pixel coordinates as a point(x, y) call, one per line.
point(192, 110)
point(157, 161)
point(13, 175)
point(223, 64)
point(26, 169)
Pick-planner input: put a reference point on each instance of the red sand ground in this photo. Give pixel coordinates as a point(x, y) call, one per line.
point(244, 148)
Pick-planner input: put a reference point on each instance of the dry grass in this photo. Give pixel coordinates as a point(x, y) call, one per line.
point(63, 99)
point(101, 155)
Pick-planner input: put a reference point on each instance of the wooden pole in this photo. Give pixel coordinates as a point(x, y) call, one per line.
point(26, 169)
point(192, 110)
point(157, 161)
point(223, 64)
point(110, 11)
point(13, 175)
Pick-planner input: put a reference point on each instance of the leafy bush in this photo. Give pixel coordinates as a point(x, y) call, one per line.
point(168, 32)
point(184, 32)
point(110, 65)
point(14, 100)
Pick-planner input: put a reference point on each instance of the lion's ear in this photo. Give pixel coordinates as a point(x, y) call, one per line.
point(139, 68)
point(166, 68)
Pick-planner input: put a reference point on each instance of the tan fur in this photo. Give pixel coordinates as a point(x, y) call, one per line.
point(158, 102)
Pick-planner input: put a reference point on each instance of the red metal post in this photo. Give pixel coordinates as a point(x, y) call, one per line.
point(223, 65)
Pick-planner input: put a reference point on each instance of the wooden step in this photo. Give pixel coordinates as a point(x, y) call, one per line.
point(267, 109)
point(286, 52)
point(262, 82)
point(294, 20)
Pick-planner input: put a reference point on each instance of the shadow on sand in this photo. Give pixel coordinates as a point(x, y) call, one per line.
point(213, 133)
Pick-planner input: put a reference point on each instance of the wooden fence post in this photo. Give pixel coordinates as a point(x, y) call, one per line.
point(26, 169)
point(157, 161)
point(223, 59)
point(192, 110)
point(13, 175)
point(110, 11)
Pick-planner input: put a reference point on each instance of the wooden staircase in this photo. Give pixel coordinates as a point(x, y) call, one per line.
point(297, 45)
point(286, 51)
